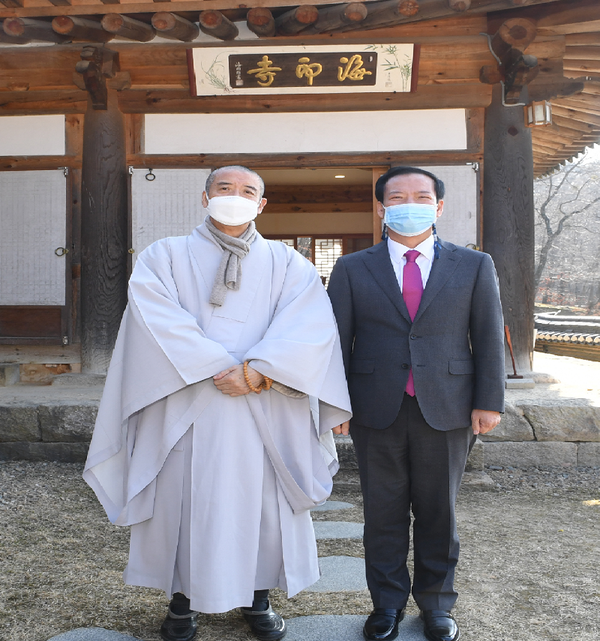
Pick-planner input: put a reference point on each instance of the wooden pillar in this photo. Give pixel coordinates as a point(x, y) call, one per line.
point(103, 233)
point(508, 220)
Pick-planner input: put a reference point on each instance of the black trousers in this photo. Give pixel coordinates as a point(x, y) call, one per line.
point(407, 467)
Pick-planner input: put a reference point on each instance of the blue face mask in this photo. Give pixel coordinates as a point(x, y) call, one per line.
point(410, 219)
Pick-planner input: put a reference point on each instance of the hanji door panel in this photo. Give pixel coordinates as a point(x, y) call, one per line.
point(164, 202)
point(34, 257)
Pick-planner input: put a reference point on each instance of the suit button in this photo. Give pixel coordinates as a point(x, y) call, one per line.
point(405, 366)
point(412, 337)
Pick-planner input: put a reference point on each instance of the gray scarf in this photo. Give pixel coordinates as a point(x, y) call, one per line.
point(229, 273)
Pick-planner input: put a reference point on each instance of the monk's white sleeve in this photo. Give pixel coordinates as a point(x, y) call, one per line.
point(154, 302)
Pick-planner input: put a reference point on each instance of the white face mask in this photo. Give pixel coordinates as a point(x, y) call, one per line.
point(232, 210)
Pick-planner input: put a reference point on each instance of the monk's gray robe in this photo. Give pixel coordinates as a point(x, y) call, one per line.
point(217, 489)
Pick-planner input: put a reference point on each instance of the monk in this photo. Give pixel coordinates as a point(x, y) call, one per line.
point(213, 438)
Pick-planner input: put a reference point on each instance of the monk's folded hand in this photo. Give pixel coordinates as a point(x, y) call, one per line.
point(483, 421)
point(344, 428)
point(233, 383)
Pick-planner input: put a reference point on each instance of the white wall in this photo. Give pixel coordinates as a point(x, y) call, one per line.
point(32, 135)
point(335, 132)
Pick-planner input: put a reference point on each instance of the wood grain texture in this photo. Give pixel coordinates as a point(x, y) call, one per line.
point(508, 220)
point(103, 234)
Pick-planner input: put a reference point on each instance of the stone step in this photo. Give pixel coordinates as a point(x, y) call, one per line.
point(310, 628)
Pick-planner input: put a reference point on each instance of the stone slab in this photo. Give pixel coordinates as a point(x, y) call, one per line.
point(531, 454)
point(338, 530)
point(92, 634)
point(79, 380)
point(71, 422)
point(330, 506)
point(340, 574)
point(519, 383)
point(345, 628)
point(475, 462)
point(346, 453)
point(588, 455)
point(477, 480)
point(19, 423)
point(513, 427)
point(564, 423)
point(38, 451)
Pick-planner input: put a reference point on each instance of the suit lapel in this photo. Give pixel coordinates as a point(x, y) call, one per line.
point(441, 271)
point(378, 262)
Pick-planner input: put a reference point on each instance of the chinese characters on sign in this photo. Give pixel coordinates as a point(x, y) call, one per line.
point(297, 70)
point(308, 69)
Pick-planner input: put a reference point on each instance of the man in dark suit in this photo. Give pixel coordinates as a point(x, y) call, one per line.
point(421, 327)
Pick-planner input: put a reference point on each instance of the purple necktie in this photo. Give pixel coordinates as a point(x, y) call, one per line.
point(412, 290)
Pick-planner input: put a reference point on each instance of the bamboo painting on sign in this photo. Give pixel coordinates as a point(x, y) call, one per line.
point(303, 69)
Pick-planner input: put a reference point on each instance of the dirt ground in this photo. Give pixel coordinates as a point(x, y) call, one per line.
point(529, 564)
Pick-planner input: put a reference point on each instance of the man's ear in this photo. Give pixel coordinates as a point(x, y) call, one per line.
point(204, 200)
point(261, 205)
point(380, 210)
point(440, 209)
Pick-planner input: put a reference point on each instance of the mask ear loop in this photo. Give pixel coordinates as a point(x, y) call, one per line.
point(436, 243)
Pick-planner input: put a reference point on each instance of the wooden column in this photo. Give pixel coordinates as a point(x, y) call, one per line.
point(508, 219)
point(103, 233)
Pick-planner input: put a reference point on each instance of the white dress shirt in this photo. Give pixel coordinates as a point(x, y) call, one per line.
point(424, 260)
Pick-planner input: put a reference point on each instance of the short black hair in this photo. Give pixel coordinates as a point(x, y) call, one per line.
point(440, 190)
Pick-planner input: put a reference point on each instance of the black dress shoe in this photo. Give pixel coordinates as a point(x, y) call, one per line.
point(265, 625)
point(440, 625)
point(179, 627)
point(382, 624)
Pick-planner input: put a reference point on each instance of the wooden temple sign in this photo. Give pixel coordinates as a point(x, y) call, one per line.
point(303, 69)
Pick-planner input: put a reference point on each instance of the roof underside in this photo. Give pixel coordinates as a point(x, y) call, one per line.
point(37, 68)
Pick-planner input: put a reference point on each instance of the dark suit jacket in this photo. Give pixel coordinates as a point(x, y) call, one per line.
point(455, 344)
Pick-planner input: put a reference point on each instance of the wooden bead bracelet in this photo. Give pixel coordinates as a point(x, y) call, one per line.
point(266, 384)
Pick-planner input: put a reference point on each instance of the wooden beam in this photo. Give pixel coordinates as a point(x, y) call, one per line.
point(459, 5)
point(129, 28)
point(215, 24)
point(34, 103)
point(29, 163)
point(32, 29)
point(508, 212)
point(292, 22)
point(586, 103)
point(319, 194)
point(564, 108)
point(12, 3)
point(61, 3)
point(582, 39)
point(103, 234)
point(81, 29)
point(96, 65)
point(427, 7)
point(583, 53)
point(447, 96)
point(170, 25)
point(260, 21)
point(582, 67)
point(338, 15)
point(387, 12)
point(13, 40)
point(159, 161)
point(515, 33)
point(580, 17)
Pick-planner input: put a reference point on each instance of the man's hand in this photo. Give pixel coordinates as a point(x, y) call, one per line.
point(483, 421)
point(231, 381)
point(344, 429)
